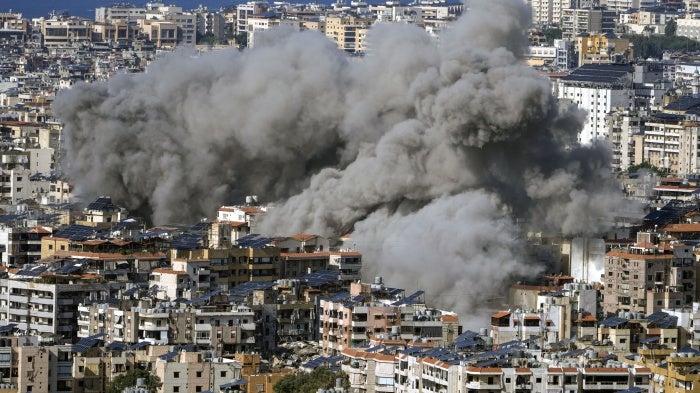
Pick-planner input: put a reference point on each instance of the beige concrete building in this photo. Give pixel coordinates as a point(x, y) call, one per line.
point(642, 279)
point(348, 32)
point(64, 32)
point(164, 34)
point(669, 142)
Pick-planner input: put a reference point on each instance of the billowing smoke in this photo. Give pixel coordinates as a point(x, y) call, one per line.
point(435, 153)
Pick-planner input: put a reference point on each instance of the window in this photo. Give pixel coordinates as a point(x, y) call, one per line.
point(176, 389)
point(223, 374)
point(176, 374)
point(197, 388)
point(199, 374)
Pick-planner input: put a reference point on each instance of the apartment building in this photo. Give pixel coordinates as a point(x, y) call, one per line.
point(39, 306)
point(669, 142)
point(348, 32)
point(645, 280)
point(347, 263)
point(225, 329)
point(672, 371)
point(436, 370)
point(21, 245)
point(164, 34)
point(548, 12)
point(125, 12)
point(576, 21)
point(622, 126)
point(244, 11)
point(603, 48)
point(597, 88)
point(348, 320)
point(627, 5)
point(65, 31)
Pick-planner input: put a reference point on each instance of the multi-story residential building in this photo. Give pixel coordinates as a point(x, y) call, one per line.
point(439, 370)
point(348, 32)
point(346, 263)
point(603, 48)
point(47, 305)
point(669, 142)
point(210, 23)
point(117, 31)
point(348, 320)
point(21, 246)
point(549, 12)
point(688, 27)
point(244, 11)
point(164, 34)
point(258, 23)
point(672, 371)
point(597, 88)
point(225, 330)
point(626, 5)
point(622, 125)
point(125, 12)
point(576, 21)
point(644, 279)
point(64, 32)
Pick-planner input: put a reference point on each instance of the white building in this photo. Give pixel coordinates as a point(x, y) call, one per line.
point(597, 88)
point(625, 5)
point(122, 12)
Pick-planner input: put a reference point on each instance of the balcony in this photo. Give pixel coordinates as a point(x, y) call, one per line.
point(483, 386)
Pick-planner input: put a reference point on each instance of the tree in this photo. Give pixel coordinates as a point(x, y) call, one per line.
point(645, 165)
point(129, 379)
point(655, 45)
point(320, 378)
point(552, 34)
point(670, 29)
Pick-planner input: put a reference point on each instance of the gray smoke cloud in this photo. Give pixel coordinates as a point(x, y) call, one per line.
point(428, 150)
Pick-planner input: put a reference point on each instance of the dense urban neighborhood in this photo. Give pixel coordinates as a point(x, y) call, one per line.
point(98, 293)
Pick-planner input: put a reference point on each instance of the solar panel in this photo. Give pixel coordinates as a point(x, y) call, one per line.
point(116, 346)
point(204, 297)
point(169, 356)
point(7, 329)
point(339, 297)
point(247, 288)
point(86, 343)
point(103, 204)
point(140, 345)
point(76, 232)
point(494, 362)
point(467, 335)
point(689, 350)
point(613, 322)
point(409, 299)
point(187, 241)
point(238, 382)
point(657, 316)
point(634, 389)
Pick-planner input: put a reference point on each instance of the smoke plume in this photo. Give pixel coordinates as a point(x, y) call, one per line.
point(428, 150)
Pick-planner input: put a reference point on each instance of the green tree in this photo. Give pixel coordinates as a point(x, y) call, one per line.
point(655, 45)
point(670, 28)
point(552, 34)
point(320, 378)
point(129, 379)
point(645, 165)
